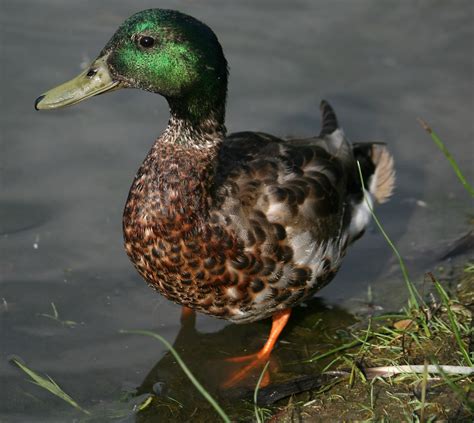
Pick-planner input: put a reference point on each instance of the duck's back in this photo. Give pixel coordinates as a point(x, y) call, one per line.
point(299, 184)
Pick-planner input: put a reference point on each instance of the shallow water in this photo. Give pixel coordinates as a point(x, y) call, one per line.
point(65, 177)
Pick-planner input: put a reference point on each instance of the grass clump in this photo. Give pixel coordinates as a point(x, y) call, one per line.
point(398, 372)
point(455, 325)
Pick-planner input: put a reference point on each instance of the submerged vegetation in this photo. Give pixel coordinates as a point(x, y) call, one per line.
point(55, 317)
point(49, 384)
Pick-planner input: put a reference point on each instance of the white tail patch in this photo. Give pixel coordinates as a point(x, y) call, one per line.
point(361, 215)
point(380, 187)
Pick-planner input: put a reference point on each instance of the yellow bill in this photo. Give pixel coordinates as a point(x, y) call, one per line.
point(96, 79)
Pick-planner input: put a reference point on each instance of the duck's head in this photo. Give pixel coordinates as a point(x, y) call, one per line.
point(161, 51)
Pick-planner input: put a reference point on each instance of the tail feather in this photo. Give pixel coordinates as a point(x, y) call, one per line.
point(329, 120)
point(378, 174)
point(378, 170)
point(382, 183)
point(332, 137)
point(376, 161)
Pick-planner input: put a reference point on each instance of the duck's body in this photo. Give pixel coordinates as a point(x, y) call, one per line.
point(247, 226)
point(244, 226)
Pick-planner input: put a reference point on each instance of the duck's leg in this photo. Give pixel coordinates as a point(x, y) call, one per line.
point(280, 319)
point(188, 316)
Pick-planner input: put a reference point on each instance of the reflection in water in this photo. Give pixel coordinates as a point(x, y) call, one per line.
point(315, 328)
point(22, 216)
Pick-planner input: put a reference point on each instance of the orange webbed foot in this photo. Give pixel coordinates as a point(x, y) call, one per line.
point(258, 359)
point(256, 363)
point(244, 358)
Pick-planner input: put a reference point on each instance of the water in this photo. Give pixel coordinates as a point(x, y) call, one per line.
point(65, 177)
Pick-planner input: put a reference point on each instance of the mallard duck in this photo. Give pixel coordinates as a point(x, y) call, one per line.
point(243, 226)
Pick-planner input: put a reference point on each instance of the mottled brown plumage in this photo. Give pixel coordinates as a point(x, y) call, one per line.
point(248, 226)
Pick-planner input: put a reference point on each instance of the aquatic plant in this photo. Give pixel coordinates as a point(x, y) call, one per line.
point(48, 384)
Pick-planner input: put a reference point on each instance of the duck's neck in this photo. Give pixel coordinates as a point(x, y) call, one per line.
point(172, 187)
point(196, 131)
point(197, 120)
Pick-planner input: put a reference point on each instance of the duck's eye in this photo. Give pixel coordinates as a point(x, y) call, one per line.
point(147, 42)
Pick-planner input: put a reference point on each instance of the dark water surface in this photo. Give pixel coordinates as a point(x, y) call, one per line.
point(65, 177)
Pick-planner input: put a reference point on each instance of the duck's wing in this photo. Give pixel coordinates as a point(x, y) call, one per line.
point(271, 188)
point(309, 185)
point(289, 207)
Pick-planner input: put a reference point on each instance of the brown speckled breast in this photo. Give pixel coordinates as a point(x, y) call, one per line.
point(242, 229)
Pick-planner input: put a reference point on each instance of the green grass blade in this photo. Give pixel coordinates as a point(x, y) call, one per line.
point(50, 385)
point(411, 288)
point(185, 369)
point(448, 155)
point(424, 384)
point(335, 350)
point(55, 311)
point(255, 394)
point(458, 391)
point(452, 319)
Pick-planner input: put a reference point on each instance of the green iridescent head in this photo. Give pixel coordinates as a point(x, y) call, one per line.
point(167, 52)
point(161, 51)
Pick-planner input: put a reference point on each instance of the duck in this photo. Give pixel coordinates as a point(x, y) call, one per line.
point(241, 226)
